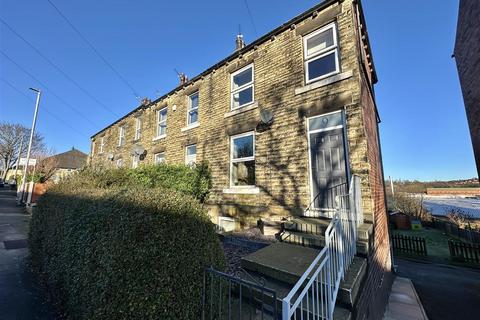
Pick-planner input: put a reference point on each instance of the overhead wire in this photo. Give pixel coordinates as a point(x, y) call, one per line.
point(50, 90)
point(44, 108)
point(251, 17)
point(86, 92)
point(92, 47)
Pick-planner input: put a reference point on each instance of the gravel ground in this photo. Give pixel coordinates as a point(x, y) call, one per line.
point(234, 253)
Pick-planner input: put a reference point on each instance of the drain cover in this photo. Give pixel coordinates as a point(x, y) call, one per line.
point(15, 244)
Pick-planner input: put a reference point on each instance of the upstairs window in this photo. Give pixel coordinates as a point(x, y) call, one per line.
point(193, 109)
point(121, 136)
point(242, 165)
point(191, 155)
point(242, 88)
point(159, 158)
point(138, 128)
point(321, 53)
point(162, 122)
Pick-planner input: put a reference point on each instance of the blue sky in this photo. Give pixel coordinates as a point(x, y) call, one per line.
point(424, 131)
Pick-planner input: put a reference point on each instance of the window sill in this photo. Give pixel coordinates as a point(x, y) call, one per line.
point(191, 126)
point(159, 137)
point(324, 82)
point(245, 190)
point(248, 107)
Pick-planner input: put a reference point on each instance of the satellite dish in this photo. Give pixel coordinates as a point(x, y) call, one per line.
point(266, 116)
point(110, 156)
point(138, 150)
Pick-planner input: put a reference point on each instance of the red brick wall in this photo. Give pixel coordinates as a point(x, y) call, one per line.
point(467, 48)
point(372, 301)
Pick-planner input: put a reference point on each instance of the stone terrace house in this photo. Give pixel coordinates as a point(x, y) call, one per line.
point(281, 122)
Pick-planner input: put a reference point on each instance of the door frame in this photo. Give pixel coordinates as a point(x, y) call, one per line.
point(345, 145)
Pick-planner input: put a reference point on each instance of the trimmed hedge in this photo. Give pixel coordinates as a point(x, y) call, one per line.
point(192, 181)
point(118, 253)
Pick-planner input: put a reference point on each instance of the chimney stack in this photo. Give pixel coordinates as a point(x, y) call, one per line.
point(183, 78)
point(239, 43)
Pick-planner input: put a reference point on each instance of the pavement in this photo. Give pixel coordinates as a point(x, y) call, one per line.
point(446, 292)
point(20, 297)
point(404, 302)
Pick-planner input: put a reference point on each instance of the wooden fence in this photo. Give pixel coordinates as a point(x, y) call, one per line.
point(407, 244)
point(453, 230)
point(464, 251)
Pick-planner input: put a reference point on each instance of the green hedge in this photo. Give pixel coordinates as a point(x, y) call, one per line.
point(122, 253)
point(192, 181)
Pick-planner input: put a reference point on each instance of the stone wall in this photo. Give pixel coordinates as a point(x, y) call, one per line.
point(282, 169)
point(281, 149)
point(467, 48)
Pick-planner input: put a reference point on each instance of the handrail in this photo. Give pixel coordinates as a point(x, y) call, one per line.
point(318, 286)
point(318, 194)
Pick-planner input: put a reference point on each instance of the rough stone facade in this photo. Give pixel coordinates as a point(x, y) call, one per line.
point(281, 148)
point(467, 56)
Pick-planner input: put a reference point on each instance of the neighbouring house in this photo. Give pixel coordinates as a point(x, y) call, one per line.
point(66, 163)
point(287, 123)
point(466, 52)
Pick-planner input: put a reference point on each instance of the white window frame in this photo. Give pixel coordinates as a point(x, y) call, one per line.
point(159, 122)
point(322, 53)
point(232, 161)
point(188, 159)
point(138, 128)
point(135, 161)
point(155, 158)
point(121, 136)
point(102, 145)
point(241, 88)
point(190, 109)
point(119, 163)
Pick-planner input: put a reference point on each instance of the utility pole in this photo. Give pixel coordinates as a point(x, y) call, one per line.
point(18, 159)
point(391, 186)
point(32, 132)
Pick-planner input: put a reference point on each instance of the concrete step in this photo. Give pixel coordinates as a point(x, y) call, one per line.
point(282, 289)
point(303, 239)
point(281, 261)
point(286, 263)
point(308, 225)
point(350, 286)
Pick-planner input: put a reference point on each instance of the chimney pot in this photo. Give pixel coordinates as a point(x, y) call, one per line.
point(239, 42)
point(183, 78)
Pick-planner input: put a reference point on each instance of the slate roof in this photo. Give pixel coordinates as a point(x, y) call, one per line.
point(72, 159)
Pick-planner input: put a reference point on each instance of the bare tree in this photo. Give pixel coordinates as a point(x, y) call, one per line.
point(46, 164)
point(11, 135)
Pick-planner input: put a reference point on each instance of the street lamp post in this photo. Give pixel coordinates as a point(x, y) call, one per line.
point(32, 132)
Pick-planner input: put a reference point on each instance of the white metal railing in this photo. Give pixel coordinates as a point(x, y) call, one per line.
point(315, 293)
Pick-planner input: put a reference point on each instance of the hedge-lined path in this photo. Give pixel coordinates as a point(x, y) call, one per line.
point(20, 298)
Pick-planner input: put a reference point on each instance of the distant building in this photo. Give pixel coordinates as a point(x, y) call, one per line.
point(467, 56)
point(67, 162)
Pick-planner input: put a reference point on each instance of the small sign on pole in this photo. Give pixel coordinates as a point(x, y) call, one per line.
point(31, 162)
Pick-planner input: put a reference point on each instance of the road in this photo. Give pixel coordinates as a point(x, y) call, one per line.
point(20, 298)
point(446, 292)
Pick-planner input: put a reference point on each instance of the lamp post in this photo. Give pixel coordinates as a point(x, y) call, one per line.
point(32, 132)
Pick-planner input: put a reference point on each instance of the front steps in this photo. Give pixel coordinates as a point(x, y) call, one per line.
point(280, 265)
point(309, 232)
